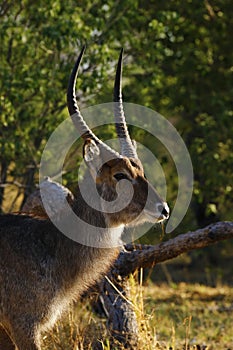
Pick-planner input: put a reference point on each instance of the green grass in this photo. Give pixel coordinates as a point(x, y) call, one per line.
point(192, 314)
point(182, 316)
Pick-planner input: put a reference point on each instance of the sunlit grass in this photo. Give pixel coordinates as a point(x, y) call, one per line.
point(182, 316)
point(193, 314)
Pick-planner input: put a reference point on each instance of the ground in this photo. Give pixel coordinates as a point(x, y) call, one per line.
point(176, 316)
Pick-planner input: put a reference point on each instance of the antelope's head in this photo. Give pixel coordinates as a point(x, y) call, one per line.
point(119, 178)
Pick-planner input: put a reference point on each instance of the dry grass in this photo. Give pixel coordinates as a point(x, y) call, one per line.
point(182, 316)
point(192, 315)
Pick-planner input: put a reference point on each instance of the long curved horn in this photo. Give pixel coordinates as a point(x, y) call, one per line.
point(75, 113)
point(73, 108)
point(127, 147)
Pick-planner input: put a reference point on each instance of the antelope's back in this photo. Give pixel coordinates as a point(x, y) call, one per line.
point(26, 240)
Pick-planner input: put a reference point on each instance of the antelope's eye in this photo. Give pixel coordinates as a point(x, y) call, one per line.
point(120, 176)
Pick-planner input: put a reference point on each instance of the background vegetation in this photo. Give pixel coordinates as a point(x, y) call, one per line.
point(178, 61)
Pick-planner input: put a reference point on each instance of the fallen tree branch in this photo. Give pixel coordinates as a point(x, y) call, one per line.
point(122, 321)
point(142, 256)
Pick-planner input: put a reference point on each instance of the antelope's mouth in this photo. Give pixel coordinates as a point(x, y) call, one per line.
point(158, 215)
point(148, 216)
point(154, 217)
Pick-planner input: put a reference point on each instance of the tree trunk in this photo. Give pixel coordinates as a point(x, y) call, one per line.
point(3, 176)
point(28, 182)
point(114, 296)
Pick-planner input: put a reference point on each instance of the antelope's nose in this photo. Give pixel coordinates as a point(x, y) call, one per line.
point(163, 209)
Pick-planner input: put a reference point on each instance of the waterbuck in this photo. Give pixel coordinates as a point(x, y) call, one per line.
point(41, 269)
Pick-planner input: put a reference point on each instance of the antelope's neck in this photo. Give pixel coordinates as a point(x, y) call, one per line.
point(92, 227)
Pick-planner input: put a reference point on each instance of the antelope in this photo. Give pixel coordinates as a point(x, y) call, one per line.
point(41, 269)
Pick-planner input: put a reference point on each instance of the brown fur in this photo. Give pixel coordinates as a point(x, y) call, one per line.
point(42, 271)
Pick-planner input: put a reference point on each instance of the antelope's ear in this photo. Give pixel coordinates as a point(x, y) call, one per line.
point(90, 150)
point(92, 156)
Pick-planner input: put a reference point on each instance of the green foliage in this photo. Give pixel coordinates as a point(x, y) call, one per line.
point(178, 60)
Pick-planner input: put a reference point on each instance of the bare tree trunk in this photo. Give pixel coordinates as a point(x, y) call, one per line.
point(3, 176)
point(28, 182)
point(114, 296)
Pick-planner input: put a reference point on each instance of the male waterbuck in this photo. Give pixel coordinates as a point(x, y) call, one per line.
point(41, 269)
